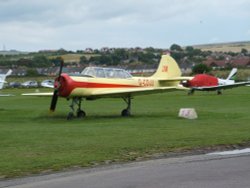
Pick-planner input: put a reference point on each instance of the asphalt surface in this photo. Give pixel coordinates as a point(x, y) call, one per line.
point(200, 171)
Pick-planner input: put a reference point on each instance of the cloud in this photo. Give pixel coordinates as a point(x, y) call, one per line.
point(82, 23)
point(77, 11)
point(63, 12)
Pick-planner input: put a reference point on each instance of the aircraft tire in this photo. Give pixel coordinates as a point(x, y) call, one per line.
point(70, 116)
point(125, 113)
point(81, 114)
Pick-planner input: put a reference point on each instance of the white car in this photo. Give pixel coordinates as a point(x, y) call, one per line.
point(30, 83)
point(48, 83)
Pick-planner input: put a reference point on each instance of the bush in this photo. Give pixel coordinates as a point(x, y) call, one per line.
point(200, 69)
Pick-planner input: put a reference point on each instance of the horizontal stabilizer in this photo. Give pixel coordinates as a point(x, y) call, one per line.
point(182, 78)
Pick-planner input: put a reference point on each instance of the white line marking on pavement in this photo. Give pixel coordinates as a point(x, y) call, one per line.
point(232, 152)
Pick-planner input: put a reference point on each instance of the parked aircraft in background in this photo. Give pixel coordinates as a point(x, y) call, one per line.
point(3, 77)
point(2, 81)
point(48, 83)
point(98, 82)
point(30, 84)
point(204, 82)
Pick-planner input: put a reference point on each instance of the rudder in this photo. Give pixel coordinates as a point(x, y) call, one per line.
point(3, 77)
point(167, 68)
point(232, 74)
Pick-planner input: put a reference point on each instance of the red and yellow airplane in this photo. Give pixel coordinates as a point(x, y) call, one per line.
point(98, 82)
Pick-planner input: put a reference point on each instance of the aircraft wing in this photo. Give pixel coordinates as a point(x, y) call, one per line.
point(134, 91)
point(213, 88)
point(118, 93)
point(38, 94)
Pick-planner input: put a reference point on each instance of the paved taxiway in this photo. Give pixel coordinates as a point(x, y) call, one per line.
point(206, 171)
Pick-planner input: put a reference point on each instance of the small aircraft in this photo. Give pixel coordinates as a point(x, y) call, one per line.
point(204, 82)
point(98, 82)
point(2, 81)
point(48, 83)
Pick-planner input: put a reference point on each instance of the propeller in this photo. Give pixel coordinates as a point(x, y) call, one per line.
point(55, 95)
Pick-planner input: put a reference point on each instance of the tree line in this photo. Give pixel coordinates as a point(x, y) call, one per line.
point(117, 56)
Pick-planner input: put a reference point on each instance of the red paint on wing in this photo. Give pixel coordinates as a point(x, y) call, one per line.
point(67, 85)
point(203, 80)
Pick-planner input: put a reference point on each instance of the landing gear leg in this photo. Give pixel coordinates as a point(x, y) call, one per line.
point(127, 111)
point(219, 92)
point(191, 92)
point(79, 112)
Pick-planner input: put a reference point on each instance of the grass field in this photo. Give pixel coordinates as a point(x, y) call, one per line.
point(34, 141)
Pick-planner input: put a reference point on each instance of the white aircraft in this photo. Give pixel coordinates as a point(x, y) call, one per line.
point(204, 82)
point(48, 83)
point(2, 81)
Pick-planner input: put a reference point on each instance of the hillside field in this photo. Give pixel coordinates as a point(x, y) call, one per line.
point(35, 141)
point(225, 47)
point(73, 57)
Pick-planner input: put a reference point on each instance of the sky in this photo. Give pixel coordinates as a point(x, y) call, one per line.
point(32, 25)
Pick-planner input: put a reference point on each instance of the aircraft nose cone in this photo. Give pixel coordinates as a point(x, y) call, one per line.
point(64, 84)
point(57, 84)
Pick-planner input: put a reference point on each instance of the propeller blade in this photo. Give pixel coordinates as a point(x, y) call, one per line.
point(55, 95)
point(53, 101)
point(61, 67)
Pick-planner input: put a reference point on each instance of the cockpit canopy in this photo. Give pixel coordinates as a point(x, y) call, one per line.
point(100, 72)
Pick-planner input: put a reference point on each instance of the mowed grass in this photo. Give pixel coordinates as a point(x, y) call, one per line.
point(33, 141)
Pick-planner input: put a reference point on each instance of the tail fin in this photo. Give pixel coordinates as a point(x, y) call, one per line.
point(2, 81)
point(2, 78)
point(9, 72)
point(168, 68)
point(232, 74)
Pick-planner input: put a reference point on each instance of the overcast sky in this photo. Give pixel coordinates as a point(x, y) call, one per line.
point(31, 25)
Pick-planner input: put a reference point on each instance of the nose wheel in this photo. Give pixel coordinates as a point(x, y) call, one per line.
point(79, 113)
point(191, 92)
point(219, 92)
